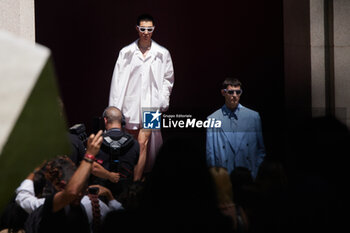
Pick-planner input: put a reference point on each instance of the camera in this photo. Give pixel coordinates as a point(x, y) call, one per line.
point(98, 124)
point(80, 131)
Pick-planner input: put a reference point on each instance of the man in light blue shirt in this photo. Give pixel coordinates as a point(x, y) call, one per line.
point(239, 141)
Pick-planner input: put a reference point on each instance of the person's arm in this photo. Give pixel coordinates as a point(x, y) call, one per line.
point(168, 83)
point(210, 148)
point(77, 182)
point(25, 197)
point(115, 84)
point(101, 172)
point(260, 143)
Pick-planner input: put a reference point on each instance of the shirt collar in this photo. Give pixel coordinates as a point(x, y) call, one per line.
point(138, 49)
point(113, 129)
point(228, 112)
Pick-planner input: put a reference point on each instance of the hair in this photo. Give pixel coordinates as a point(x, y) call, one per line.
point(144, 17)
point(59, 169)
point(39, 182)
point(113, 114)
point(231, 82)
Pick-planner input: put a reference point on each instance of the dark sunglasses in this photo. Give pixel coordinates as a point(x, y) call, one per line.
point(231, 92)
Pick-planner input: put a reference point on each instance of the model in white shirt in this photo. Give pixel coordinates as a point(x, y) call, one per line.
point(143, 78)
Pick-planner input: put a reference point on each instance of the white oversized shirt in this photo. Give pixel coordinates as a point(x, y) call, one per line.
point(141, 82)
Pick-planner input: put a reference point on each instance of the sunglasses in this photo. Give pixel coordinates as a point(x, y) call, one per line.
point(231, 92)
point(143, 29)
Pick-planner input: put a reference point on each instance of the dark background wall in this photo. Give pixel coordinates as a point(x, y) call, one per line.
point(208, 41)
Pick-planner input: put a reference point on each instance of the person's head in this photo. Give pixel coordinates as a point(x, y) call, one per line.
point(59, 171)
point(145, 26)
point(180, 173)
point(271, 175)
point(112, 117)
point(231, 90)
point(180, 177)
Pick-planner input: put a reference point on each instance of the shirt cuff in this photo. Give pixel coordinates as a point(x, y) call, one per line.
point(115, 205)
point(26, 185)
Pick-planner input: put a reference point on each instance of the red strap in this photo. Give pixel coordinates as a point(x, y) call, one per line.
point(99, 161)
point(88, 156)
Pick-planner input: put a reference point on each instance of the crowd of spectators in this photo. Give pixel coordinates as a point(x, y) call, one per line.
point(183, 194)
